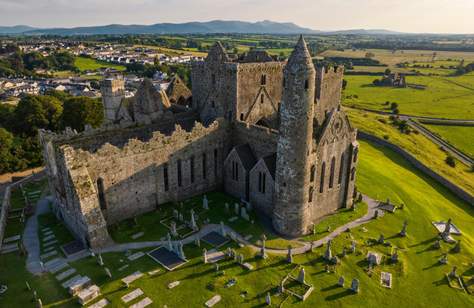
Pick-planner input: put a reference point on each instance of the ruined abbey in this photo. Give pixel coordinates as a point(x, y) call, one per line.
point(267, 132)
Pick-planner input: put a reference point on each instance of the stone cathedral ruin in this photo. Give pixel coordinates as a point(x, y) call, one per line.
point(266, 132)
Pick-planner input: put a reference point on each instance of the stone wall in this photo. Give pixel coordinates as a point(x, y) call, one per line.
point(328, 90)
point(262, 200)
point(235, 187)
point(456, 190)
point(262, 140)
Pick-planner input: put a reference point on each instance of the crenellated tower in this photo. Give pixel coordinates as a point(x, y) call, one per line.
point(291, 215)
point(113, 92)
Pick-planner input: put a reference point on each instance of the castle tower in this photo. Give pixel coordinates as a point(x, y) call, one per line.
point(113, 92)
point(292, 215)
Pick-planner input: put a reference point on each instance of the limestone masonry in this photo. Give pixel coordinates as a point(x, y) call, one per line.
point(267, 132)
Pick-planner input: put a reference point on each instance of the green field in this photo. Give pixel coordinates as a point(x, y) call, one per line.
point(444, 97)
point(462, 137)
point(418, 279)
point(88, 64)
point(418, 145)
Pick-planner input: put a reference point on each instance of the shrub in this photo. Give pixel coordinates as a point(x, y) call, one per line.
point(395, 111)
point(386, 137)
point(393, 106)
point(450, 161)
point(382, 120)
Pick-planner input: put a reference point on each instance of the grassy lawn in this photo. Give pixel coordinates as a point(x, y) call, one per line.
point(448, 97)
point(89, 64)
point(418, 279)
point(418, 145)
point(456, 135)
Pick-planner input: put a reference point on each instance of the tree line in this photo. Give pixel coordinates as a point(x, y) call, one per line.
point(19, 144)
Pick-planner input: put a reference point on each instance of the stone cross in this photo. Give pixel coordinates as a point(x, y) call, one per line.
point(355, 285)
point(236, 208)
point(301, 275)
point(328, 253)
point(444, 259)
point(457, 247)
point(381, 239)
point(223, 232)
point(453, 273)
point(107, 272)
point(204, 255)
point(100, 261)
point(170, 245)
point(404, 229)
point(268, 299)
point(205, 203)
point(173, 229)
point(341, 281)
point(289, 257)
point(263, 253)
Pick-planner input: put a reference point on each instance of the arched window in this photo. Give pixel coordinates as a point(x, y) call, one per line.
point(204, 165)
point(312, 172)
point(321, 182)
point(262, 98)
point(306, 84)
point(241, 117)
point(192, 169)
point(341, 169)
point(178, 167)
point(311, 191)
point(356, 153)
point(165, 177)
point(331, 175)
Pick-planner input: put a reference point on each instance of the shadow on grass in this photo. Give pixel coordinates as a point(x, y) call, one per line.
point(334, 286)
point(437, 264)
point(339, 295)
point(443, 281)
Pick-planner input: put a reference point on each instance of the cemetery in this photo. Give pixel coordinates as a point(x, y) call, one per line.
point(204, 252)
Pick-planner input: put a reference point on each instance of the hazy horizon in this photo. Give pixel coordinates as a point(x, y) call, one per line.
point(413, 16)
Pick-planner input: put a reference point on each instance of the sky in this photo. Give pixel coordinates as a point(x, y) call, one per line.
point(417, 16)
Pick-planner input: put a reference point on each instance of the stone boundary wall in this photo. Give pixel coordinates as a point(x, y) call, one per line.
point(6, 202)
point(447, 123)
point(458, 191)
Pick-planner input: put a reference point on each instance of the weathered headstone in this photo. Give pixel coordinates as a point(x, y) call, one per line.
point(376, 214)
point(197, 241)
point(39, 303)
point(289, 256)
point(328, 252)
point(404, 229)
point(437, 244)
point(453, 273)
point(457, 247)
point(100, 261)
point(341, 281)
point(394, 256)
point(107, 272)
point(381, 239)
point(268, 299)
point(226, 207)
point(301, 275)
point(355, 285)
point(170, 245)
point(244, 214)
point(236, 209)
point(204, 255)
point(223, 231)
point(444, 259)
point(205, 203)
point(180, 250)
point(173, 229)
point(193, 221)
point(263, 253)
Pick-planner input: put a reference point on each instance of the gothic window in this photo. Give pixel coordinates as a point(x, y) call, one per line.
point(356, 152)
point(311, 191)
point(101, 192)
point(323, 171)
point(262, 98)
point(235, 171)
point(179, 172)
point(241, 117)
point(215, 163)
point(353, 173)
point(262, 176)
point(192, 168)
point(204, 165)
point(331, 176)
point(311, 174)
point(263, 80)
point(165, 177)
point(284, 82)
point(341, 169)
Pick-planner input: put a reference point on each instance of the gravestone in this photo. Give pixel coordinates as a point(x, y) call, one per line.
point(394, 256)
point(226, 207)
point(39, 303)
point(263, 253)
point(355, 285)
point(181, 217)
point(328, 252)
point(236, 209)
point(444, 259)
point(205, 203)
point(197, 241)
point(376, 214)
point(100, 261)
point(244, 214)
point(289, 256)
point(173, 229)
point(404, 229)
point(107, 272)
point(437, 244)
point(268, 299)
point(175, 213)
point(457, 247)
point(223, 231)
point(341, 282)
point(301, 275)
point(170, 245)
point(381, 239)
point(181, 251)
point(453, 273)
point(204, 255)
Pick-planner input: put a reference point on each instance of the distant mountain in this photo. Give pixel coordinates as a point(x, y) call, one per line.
point(365, 31)
point(15, 29)
point(215, 26)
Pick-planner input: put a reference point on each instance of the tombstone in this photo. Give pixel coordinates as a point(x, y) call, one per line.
point(344, 252)
point(301, 275)
point(107, 272)
point(248, 206)
point(173, 229)
point(381, 239)
point(311, 246)
point(334, 260)
point(175, 213)
point(457, 247)
point(453, 273)
point(193, 221)
point(232, 236)
point(35, 295)
point(353, 247)
point(216, 267)
point(376, 214)
point(289, 256)
point(263, 253)
point(237, 209)
point(205, 203)
point(223, 232)
point(341, 282)
point(394, 256)
point(244, 214)
point(100, 261)
point(204, 255)
point(227, 207)
point(180, 250)
point(268, 299)
point(281, 287)
point(437, 244)
point(181, 217)
point(355, 285)
point(240, 258)
point(328, 230)
point(328, 252)
point(447, 228)
point(197, 241)
point(170, 244)
point(444, 259)
point(39, 303)
point(404, 229)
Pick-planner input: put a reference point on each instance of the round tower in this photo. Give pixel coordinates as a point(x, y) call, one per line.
point(291, 214)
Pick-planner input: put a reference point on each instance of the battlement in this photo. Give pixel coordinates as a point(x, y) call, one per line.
point(329, 71)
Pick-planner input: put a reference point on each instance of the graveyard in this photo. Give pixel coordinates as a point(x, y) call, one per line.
point(204, 253)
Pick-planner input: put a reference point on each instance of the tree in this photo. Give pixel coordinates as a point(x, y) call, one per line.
point(393, 106)
point(344, 84)
point(35, 112)
point(388, 71)
point(79, 111)
point(6, 144)
point(450, 161)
